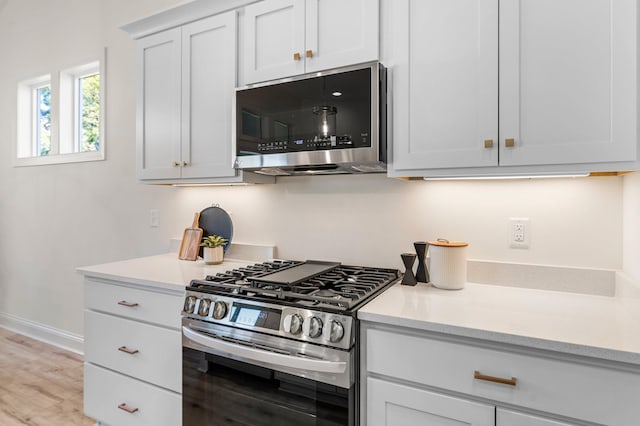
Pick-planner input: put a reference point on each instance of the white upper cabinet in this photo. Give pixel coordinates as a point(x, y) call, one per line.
point(491, 87)
point(443, 60)
point(289, 37)
point(158, 106)
point(208, 83)
point(187, 79)
point(568, 81)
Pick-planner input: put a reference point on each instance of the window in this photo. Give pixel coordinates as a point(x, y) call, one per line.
point(43, 119)
point(62, 120)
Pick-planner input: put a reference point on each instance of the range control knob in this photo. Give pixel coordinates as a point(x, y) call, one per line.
point(203, 309)
point(293, 324)
point(219, 310)
point(337, 332)
point(313, 327)
point(190, 304)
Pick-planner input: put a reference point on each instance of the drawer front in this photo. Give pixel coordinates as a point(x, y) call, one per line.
point(391, 404)
point(143, 351)
point(157, 308)
point(105, 391)
point(565, 388)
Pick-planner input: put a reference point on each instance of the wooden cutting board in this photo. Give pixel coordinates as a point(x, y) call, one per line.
point(191, 238)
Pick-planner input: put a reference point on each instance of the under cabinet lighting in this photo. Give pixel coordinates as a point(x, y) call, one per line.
point(182, 185)
point(509, 177)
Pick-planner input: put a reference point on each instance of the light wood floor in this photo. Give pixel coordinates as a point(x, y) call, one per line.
point(40, 384)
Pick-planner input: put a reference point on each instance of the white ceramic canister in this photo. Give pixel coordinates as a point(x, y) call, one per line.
point(448, 264)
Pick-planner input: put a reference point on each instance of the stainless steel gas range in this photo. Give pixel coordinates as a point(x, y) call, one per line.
point(275, 343)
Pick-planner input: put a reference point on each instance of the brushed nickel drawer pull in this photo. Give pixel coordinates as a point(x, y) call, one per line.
point(511, 382)
point(127, 304)
point(126, 408)
point(127, 350)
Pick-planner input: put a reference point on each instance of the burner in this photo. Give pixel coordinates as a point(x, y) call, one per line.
point(325, 285)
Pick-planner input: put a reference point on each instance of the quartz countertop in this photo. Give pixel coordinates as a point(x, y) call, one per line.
point(163, 271)
point(593, 326)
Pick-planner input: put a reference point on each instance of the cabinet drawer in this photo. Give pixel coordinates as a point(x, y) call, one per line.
point(105, 391)
point(157, 308)
point(390, 404)
point(561, 387)
point(157, 356)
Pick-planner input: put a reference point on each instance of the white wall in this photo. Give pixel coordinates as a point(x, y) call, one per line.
point(372, 219)
point(631, 226)
point(56, 218)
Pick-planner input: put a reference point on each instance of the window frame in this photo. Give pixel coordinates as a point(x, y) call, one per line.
point(64, 117)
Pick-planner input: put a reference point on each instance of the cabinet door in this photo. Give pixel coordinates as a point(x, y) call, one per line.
point(507, 418)
point(274, 33)
point(107, 395)
point(392, 404)
point(158, 106)
point(443, 59)
point(341, 32)
point(208, 82)
point(568, 81)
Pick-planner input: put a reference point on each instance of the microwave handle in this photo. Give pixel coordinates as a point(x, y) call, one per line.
point(272, 358)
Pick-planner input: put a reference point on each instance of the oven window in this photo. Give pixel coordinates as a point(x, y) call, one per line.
point(220, 391)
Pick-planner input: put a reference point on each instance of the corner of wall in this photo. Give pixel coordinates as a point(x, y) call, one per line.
point(631, 225)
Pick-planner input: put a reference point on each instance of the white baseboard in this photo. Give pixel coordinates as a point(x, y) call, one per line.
point(63, 339)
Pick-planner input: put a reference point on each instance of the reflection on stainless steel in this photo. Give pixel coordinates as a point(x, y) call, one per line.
point(276, 343)
point(295, 126)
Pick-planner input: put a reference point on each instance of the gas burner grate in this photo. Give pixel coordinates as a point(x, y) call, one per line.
point(340, 288)
point(245, 272)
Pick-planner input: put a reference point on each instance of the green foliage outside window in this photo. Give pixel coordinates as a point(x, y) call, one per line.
point(90, 113)
point(44, 120)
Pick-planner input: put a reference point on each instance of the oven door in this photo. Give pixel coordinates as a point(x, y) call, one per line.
point(233, 376)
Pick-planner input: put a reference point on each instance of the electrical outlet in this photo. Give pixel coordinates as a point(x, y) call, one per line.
point(519, 233)
point(154, 218)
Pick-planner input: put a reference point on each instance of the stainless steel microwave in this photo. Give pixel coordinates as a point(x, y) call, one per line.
point(328, 122)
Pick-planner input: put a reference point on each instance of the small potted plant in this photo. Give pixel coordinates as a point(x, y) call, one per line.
point(213, 249)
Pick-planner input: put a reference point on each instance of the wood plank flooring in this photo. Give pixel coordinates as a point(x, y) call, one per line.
point(40, 384)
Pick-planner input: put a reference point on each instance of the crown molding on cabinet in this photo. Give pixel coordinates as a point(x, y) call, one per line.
point(180, 15)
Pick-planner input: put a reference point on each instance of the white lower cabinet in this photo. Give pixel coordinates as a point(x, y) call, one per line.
point(515, 418)
point(391, 404)
point(119, 400)
point(414, 377)
point(133, 354)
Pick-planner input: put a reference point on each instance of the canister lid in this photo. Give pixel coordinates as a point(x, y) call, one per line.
point(446, 243)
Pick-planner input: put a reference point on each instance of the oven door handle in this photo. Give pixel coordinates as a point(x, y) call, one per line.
point(272, 358)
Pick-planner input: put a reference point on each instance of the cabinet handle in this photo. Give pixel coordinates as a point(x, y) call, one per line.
point(127, 350)
point(511, 382)
point(309, 53)
point(127, 304)
point(126, 408)
point(488, 143)
point(185, 164)
point(296, 56)
point(509, 143)
point(175, 164)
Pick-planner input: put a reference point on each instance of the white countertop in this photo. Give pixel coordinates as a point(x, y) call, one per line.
point(594, 326)
point(164, 271)
point(588, 325)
